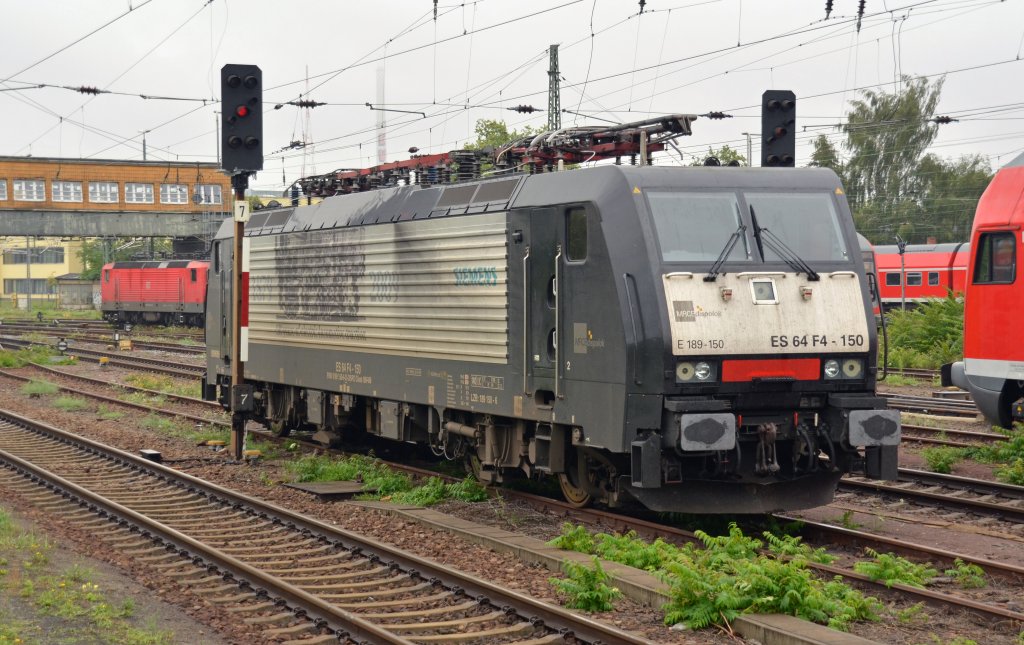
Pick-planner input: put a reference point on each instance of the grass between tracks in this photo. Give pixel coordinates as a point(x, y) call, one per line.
point(41, 602)
point(1007, 456)
point(381, 482)
point(35, 354)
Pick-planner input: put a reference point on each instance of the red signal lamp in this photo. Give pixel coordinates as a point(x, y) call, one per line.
point(242, 111)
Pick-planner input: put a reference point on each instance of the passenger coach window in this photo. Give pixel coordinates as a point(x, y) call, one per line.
point(695, 227)
point(576, 234)
point(933, 279)
point(892, 279)
point(913, 279)
point(996, 262)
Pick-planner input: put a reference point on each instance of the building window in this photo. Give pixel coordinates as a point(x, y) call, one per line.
point(103, 192)
point(66, 191)
point(29, 190)
point(173, 193)
point(933, 279)
point(3, 189)
point(913, 279)
point(209, 193)
point(892, 279)
point(996, 262)
point(21, 286)
point(138, 193)
point(44, 255)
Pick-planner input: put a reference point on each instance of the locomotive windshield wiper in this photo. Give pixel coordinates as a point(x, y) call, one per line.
point(729, 244)
point(757, 233)
point(777, 246)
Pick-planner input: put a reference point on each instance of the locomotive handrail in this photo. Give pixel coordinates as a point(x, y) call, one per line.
point(680, 274)
point(761, 274)
point(526, 313)
point(558, 329)
point(843, 274)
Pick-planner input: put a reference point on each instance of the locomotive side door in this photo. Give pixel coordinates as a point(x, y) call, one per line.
point(538, 257)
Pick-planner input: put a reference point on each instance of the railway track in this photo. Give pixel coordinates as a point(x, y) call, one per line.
point(314, 578)
point(106, 339)
point(171, 368)
point(931, 405)
point(913, 372)
point(913, 433)
point(1003, 502)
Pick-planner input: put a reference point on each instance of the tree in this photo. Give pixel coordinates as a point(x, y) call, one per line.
point(825, 155)
point(725, 154)
point(892, 185)
point(94, 253)
point(491, 133)
point(886, 136)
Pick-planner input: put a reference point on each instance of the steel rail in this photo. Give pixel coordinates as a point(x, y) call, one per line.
point(555, 618)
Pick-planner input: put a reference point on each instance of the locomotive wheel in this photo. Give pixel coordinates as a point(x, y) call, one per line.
point(473, 464)
point(280, 428)
point(573, 481)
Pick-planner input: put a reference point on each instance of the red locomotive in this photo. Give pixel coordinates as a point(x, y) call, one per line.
point(171, 292)
point(993, 365)
point(928, 270)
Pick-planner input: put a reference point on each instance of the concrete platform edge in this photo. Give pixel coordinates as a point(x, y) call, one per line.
point(640, 586)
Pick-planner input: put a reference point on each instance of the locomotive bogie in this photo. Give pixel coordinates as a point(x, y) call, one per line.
point(566, 325)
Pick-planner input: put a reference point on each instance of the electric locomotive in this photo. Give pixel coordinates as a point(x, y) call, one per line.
point(696, 339)
point(993, 366)
point(166, 292)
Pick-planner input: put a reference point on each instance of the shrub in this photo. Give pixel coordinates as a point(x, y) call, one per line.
point(586, 587)
point(927, 336)
point(968, 576)
point(890, 569)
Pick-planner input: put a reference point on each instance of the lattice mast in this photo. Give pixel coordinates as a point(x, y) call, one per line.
point(554, 91)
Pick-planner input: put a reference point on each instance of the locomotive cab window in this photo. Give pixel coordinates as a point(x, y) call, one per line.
point(192, 274)
point(576, 234)
point(216, 257)
point(892, 279)
point(697, 227)
point(106, 275)
point(807, 222)
point(996, 262)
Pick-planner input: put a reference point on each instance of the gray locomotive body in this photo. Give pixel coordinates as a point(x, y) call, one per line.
point(575, 324)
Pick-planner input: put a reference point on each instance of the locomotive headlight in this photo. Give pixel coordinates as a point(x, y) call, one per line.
point(684, 372)
point(831, 368)
point(702, 371)
point(853, 368)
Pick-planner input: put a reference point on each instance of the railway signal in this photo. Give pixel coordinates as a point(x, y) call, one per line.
point(778, 128)
point(241, 96)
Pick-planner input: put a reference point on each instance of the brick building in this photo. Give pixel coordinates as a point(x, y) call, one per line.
point(47, 205)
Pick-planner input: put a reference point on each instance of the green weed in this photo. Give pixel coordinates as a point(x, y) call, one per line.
point(912, 614)
point(1008, 455)
point(846, 521)
point(39, 388)
point(941, 459)
point(165, 384)
point(70, 403)
point(730, 576)
point(586, 587)
point(108, 414)
point(890, 569)
point(968, 576)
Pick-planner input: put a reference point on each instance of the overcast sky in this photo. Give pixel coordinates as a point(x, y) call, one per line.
point(689, 56)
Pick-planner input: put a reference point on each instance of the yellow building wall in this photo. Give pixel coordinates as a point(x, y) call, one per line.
point(39, 270)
